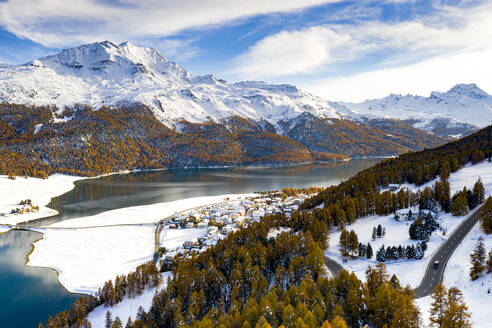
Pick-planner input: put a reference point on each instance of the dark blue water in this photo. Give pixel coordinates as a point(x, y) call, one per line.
point(30, 295)
point(27, 294)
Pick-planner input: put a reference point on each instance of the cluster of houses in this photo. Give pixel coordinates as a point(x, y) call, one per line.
point(216, 221)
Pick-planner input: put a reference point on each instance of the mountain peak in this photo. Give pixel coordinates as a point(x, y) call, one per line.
point(106, 58)
point(471, 90)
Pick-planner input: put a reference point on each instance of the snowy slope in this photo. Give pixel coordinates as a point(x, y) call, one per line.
point(106, 74)
point(462, 104)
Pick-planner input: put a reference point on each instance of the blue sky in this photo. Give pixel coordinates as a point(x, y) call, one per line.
point(340, 50)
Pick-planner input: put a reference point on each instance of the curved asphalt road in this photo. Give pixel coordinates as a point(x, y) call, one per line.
point(334, 267)
point(432, 276)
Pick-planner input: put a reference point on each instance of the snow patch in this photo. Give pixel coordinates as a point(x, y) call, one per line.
point(39, 191)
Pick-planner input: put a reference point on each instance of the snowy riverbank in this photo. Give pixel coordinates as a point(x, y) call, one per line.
point(39, 191)
point(87, 252)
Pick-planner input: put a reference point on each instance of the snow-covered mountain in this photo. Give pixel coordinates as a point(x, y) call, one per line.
point(108, 74)
point(104, 73)
point(463, 108)
point(136, 89)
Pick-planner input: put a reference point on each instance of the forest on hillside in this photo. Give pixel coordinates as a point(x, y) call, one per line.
point(39, 141)
point(249, 280)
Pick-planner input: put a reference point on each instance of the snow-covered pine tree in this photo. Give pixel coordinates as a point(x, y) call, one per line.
point(381, 254)
point(109, 320)
point(379, 231)
point(477, 259)
point(362, 250)
point(117, 323)
point(369, 252)
point(419, 252)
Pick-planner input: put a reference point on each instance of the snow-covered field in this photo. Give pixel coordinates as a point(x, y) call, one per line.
point(408, 271)
point(40, 191)
point(412, 271)
point(465, 177)
point(457, 274)
point(86, 258)
point(174, 238)
point(126, 308)
point(87, 252)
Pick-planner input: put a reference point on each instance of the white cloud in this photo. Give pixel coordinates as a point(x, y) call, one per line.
point(437, 73)
point(292, 52)
point(178, 50)
point(323, 47)
point(58, 23)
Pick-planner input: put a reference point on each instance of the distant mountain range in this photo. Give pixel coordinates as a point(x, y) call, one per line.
point(461, 110)
point(125, 77)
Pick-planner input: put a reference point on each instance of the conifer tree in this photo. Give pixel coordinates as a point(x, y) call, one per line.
point(351, 213)
point(354, 243)
point(381, 254)
point(417, 230)
point(456, 314)
point(445, 196)
point(459, 205)
point(486, 216)
point(406, 314)
point(109, 320)
point(374, 233)
point(344, 242)
point(340, 217)
point(445, 170)
point(338, 322)
point(419, 252)
point(326, 324)
point(362, 250)
point(129, 323)
point(477, 259)
point(369, 252)
point(117, 323)
point(479, 191)
point(379, 230)
point(438, 306)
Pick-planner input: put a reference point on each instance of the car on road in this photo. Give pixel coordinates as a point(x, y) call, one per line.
point(436, 264)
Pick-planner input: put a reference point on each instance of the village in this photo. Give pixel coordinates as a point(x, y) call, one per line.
point(196, 229)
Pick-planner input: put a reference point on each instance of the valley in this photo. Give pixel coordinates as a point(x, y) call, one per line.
point(166, 199)
point(135, 198)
